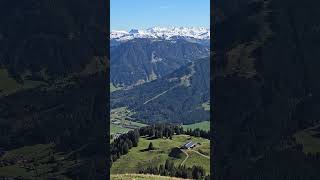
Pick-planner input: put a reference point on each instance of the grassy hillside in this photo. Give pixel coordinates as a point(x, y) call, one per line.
point(204, 125)
point(138, 157)
point(141, 177)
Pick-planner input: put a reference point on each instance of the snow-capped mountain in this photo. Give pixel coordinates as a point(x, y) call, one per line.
point(168, 33)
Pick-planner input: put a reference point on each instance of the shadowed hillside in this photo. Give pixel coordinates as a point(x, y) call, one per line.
point(266, 89)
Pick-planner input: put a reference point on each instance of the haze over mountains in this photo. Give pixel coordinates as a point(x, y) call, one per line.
point(163, 73)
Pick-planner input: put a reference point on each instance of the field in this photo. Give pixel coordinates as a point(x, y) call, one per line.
point(204, 125)
point(120, 122)
point(138, 158)
point(36, 161)
point(141, 177)
point(124, 126)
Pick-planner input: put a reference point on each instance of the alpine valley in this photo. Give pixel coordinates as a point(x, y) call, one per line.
point(160, 75)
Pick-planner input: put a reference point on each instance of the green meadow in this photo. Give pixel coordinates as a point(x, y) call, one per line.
point(138, 157)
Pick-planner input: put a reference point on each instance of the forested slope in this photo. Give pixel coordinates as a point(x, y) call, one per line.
point(175, 98)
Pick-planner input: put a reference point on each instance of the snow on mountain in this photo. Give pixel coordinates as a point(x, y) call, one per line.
point(167, 33)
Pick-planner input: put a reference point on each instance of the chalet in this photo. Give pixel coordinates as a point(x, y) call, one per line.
point(189, 145)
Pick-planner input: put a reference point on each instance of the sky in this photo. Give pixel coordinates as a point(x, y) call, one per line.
point(143, 14)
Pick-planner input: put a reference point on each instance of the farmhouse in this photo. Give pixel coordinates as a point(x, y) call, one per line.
point(189, 145)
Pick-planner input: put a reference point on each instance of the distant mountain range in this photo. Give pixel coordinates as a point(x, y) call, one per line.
point(167, 33)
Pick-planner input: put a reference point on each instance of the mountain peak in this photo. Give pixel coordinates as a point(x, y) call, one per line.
point(134, 31)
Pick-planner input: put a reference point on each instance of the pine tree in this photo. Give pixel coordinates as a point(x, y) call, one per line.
point(125, 148)
point(150, 146)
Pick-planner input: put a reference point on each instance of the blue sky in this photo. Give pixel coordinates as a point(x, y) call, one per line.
point(142, 14)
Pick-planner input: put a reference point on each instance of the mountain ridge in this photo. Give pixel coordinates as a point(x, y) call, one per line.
point(142, 60)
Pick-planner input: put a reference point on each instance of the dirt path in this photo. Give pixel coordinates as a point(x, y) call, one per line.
point(208, 157)
point(185, 158)
point(155, 97)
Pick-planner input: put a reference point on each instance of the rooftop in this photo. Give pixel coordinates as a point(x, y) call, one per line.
point(189, 144)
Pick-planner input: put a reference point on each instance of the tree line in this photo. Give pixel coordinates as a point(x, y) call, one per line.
point(168, 169)
point(165, 130)
point(122, 144)
point(198, 133)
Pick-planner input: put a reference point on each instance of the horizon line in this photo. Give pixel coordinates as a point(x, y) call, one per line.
point(161, 27)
